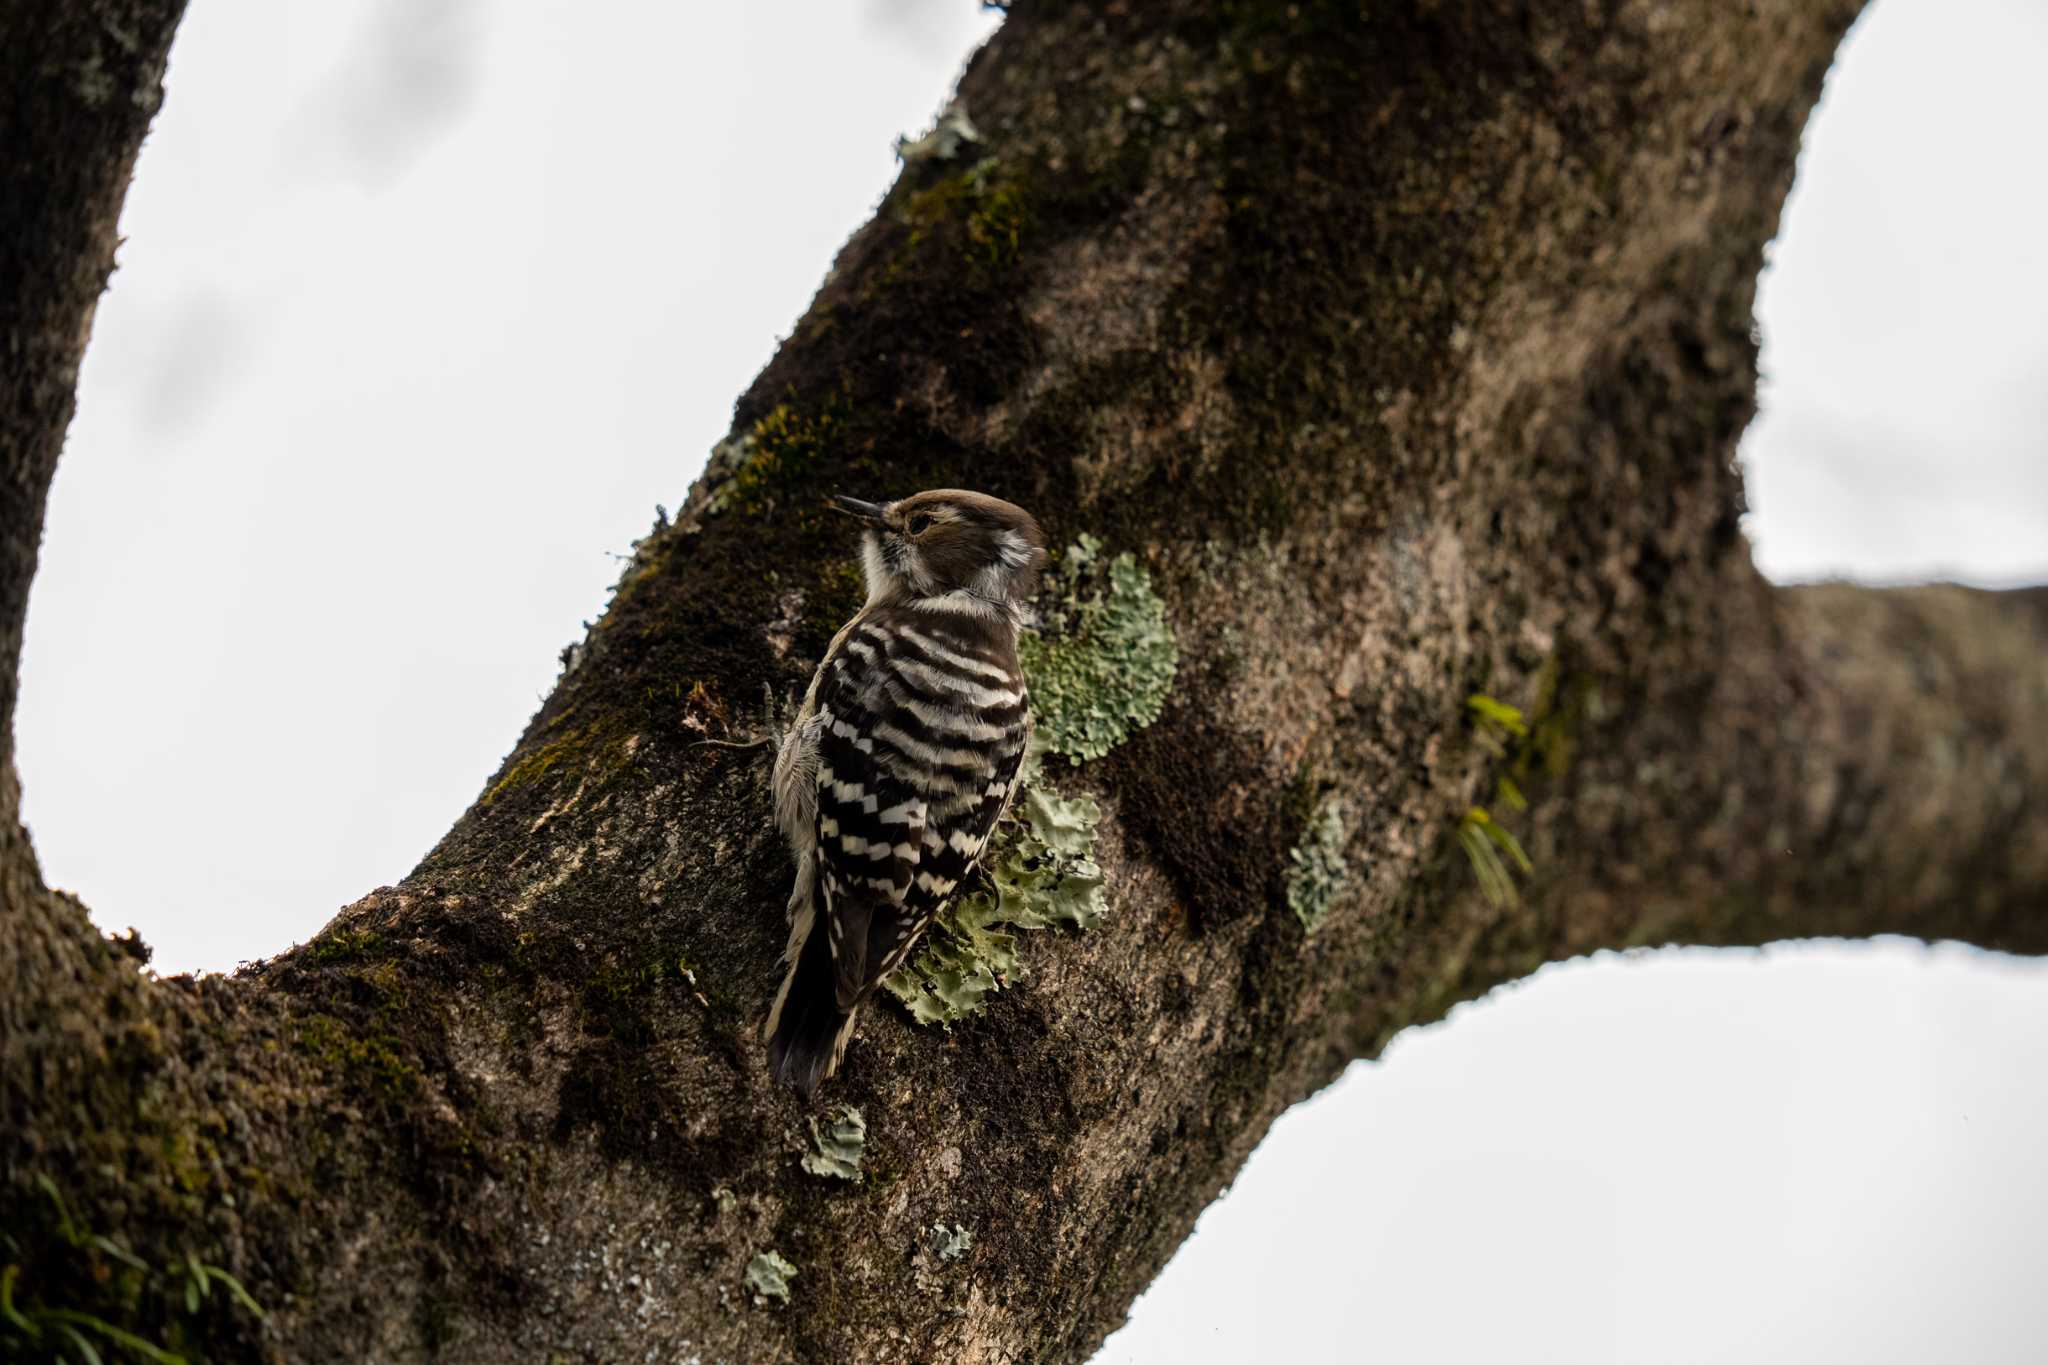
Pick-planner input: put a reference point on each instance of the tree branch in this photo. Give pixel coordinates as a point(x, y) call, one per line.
point(1406, 356)
point(81, 83)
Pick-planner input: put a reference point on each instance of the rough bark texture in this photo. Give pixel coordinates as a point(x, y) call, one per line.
point(1406, 350)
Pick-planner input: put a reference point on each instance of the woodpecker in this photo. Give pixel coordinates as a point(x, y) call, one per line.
point(903, 756)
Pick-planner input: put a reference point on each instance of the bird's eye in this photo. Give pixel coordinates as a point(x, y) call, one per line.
point(919, 523)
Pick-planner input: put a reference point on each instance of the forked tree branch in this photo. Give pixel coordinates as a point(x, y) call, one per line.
point(1405, 351)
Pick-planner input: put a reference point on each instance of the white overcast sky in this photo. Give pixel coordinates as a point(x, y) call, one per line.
point(426, 305)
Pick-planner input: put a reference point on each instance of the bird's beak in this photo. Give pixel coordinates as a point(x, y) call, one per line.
point(866, 511)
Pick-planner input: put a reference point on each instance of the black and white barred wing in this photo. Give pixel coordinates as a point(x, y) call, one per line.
point(956, 837)
point(871, 830)
point(918, 760)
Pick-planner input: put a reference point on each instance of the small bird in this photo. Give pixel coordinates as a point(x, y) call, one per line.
point(904, 755)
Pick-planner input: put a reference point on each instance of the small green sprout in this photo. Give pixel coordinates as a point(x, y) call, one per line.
point(72, 1332)
point(1496, 722)
point(1504, 733)
point(1484, 840)
point(200, 1279)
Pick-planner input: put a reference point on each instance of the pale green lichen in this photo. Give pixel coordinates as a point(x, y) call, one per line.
point(1042, 873)
point(949, 135)
point(951, 1243)
point(722, 467)
point(768, 1276)
point(1316, 867)
point(1103, 662)
point(841, 1140)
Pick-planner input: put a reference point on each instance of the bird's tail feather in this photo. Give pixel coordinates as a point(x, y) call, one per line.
point(807, 1031)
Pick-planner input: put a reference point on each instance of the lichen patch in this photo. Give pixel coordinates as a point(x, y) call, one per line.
point(1316, 870)
point(840, 1142)
point(1042, 873)
point(950, 1243)
point(768, 1277)
point(1101, 666)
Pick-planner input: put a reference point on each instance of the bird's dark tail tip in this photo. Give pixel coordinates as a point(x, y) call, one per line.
point(809, 1030)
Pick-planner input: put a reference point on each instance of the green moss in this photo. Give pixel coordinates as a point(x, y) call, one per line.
point(592, 742)
point(1103, 663)
point(375, 1057)
point(752, 472)
point(981, 212)
point(1041, 874)
point(347, 945)
point(1316, 869)
point(768, 1276)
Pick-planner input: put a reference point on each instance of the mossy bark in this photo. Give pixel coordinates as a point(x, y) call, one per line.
point(1406, 349)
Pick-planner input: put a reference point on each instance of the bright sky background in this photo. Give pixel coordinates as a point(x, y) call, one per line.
point(426, 305)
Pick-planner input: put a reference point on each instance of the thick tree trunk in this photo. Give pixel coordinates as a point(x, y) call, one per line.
point(1406, 352)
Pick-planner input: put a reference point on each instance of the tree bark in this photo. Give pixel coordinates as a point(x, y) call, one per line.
point(1406, 351)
